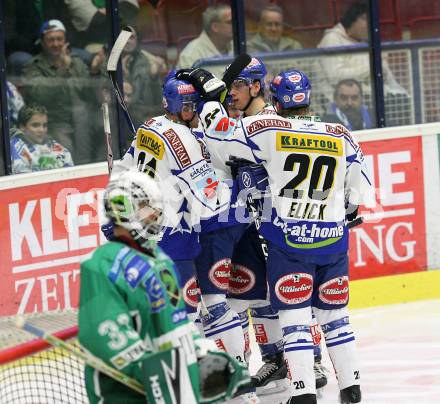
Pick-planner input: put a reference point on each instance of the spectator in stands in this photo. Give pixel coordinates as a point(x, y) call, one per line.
point(22, 22)
point(213, 41)
point(352, 30)
point(60, 82)
point(31, 148)
point(90, 21)
point(270, 35)
point(15, 103)
point(347, 107)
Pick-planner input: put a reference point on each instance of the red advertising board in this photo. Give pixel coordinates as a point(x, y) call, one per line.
point(46, 230)
point(393, 239)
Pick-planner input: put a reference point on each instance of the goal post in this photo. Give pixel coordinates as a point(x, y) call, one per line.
point(33, 371)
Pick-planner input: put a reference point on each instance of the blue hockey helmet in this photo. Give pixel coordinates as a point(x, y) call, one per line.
point(291, 89)
point(179, 93)
point(254, 71)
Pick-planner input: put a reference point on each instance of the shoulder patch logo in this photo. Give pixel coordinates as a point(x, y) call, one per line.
point(150, 142)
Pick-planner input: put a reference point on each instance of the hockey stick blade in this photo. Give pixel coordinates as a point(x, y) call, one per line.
point(356, 222)
point(112, 66)
point(117, 49)
point(235, 68)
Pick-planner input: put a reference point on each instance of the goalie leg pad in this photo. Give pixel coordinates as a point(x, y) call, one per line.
point(298, 349)
point(223, 325)
point(168, 379)
point(340, 341)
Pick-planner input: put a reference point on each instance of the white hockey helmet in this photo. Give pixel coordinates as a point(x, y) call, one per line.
point(134, 201)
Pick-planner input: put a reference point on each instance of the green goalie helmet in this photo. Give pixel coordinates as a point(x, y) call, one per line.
point(134, 201)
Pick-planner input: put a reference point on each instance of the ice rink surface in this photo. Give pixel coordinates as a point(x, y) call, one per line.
point(399, 349)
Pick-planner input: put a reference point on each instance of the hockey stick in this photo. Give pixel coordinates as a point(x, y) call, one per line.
point(86, 357)
point(112, 66)
point(356, 222)
point(235, 68)
point(108, 136)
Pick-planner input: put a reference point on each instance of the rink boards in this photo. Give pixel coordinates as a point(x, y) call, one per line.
point(51, 220)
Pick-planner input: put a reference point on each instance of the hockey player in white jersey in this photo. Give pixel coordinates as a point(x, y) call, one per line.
point(247, 284)
point(249, 263)
point(165, 149)
point(317, 176)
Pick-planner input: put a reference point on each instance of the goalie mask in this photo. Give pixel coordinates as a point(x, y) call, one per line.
point(290, 89)
point(134, 201)
point(178, 95)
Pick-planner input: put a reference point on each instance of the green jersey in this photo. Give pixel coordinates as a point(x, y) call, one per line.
point(130, 309)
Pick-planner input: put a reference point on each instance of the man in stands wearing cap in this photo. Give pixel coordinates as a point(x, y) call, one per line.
point(60, 82)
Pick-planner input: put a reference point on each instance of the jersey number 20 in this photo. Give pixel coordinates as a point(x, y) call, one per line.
point(303, 160)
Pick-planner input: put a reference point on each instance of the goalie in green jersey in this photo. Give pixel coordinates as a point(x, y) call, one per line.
point(132, 313)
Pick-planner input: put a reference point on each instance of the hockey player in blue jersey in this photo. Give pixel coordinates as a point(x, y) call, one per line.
point(165, 149)
point(317, 178)
point(248, 287)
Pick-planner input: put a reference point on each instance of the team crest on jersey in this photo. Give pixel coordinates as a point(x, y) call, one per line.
point(309, 143)
point(191, 292)
point(334, 291)
point(294, 288)
point(219, 273)
point(208, 186)
point(135, 270)
point(241, 279)
point(150, 142)
point(155, 293)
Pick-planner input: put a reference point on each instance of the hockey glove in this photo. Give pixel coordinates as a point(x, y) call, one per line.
point(234, 163)
point(108, 230)
point(209, 87)
point(254, 179)
point(220, 377)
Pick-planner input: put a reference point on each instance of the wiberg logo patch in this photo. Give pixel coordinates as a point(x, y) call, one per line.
point(294, 288)
point(219, 273)
point(241, 279)
point(334, 291)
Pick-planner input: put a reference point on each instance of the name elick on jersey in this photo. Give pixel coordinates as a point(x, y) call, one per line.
point(310, 211)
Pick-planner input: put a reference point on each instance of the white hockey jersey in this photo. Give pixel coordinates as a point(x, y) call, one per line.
point(314, 168)
point(170, 153)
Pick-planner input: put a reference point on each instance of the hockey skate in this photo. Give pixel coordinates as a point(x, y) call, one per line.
point(272, 376)
point(302, 399)
point(246, 398)
point(351, 394)
point(320, 374)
